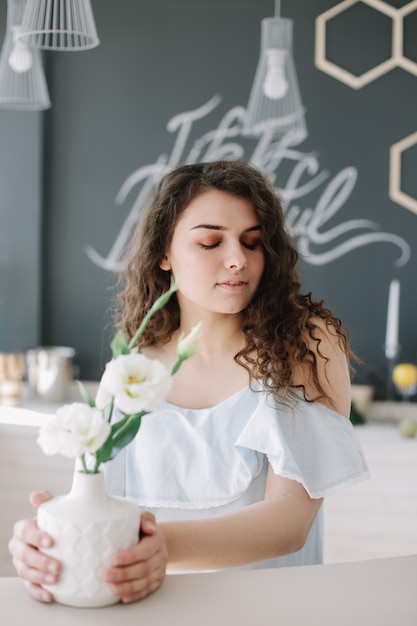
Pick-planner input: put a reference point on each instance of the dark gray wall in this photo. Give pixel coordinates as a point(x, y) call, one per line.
point(20, 229)
point(111, 107)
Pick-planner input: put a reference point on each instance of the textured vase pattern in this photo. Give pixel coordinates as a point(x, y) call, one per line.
point(88, 527)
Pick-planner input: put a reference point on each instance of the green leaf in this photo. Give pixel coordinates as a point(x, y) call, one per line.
point(119, 345)
point(356, 417)
point(121, 434)
point(85, 395)
point(104, 454)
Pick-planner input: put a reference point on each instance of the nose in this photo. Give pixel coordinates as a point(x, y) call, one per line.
point(236, 257)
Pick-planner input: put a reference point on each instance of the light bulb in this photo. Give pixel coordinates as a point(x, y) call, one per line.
point(275, 84)
point(20, 59)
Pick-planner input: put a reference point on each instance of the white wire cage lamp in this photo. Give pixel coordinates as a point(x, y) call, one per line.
point(275, 101)
point(22, 80)
point(66, 25)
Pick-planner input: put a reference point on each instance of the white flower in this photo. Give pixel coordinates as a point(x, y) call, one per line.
point(189, 345)
point(75, 429)
point(137, 383)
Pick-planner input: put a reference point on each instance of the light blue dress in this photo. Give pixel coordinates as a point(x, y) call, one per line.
point(198, 463)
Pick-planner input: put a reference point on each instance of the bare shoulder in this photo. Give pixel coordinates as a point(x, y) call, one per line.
point(332, 367)
point(330, 339)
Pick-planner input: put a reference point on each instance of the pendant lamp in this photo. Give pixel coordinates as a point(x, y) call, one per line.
point(59, 25)
point(22, 79)
point(275, 101)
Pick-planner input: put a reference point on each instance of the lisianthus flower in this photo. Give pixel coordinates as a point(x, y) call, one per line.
point(137, 383)
point(189, 345)
point(74, 430)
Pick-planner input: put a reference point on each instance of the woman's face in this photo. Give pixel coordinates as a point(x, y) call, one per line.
point(216, 253)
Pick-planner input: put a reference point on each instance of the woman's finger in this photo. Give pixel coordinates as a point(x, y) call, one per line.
point(48, 576)
point(139, 580)
point(32, 564)
point(39, 593)
point(28, 532)
point(39, 497)
point(145, 549)
point(139, 571)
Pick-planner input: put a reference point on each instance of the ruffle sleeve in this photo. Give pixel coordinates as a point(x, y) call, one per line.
point(306, 442)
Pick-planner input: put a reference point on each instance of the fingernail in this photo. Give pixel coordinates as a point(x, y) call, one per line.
point(45, 597)
point(150, 526)
point(45, 542)
point(49, 579)
point(52, 568)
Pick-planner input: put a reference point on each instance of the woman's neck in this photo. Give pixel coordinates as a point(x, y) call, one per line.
point(220, 334)
point(212, 374)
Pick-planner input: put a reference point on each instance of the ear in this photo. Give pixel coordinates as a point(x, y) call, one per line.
point(165, 264)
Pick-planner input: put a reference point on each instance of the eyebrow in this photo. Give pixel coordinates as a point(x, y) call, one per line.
point(216, 227)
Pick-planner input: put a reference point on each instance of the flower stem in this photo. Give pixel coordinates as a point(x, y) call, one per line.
point(158, 304)
point(177, 365)
point(85, 469)
point(110, 410)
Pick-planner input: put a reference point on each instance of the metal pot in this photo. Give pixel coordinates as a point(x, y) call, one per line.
point(50, 372)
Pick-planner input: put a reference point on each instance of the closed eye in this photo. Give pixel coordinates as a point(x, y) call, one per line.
point(210, 246)
point(252, 244)
point(249, 246)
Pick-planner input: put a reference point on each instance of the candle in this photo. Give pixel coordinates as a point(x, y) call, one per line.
point(391, 337)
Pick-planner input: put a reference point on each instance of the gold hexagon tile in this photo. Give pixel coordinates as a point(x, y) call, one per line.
point(395, 191)
point(397, 57)
point(404, 62)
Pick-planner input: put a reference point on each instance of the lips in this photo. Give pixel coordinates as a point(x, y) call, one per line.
point(233, 283)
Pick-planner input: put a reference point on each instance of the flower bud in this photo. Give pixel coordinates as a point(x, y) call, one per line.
point(190, 344)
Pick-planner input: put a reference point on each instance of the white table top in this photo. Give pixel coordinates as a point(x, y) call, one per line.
point(368, 593)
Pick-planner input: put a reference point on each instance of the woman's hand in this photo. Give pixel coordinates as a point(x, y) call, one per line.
point(34, 567)
point(140, 570)
point(137, 572)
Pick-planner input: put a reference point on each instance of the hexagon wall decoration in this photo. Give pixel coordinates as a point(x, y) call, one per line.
point(397, 58)
point(395, 191)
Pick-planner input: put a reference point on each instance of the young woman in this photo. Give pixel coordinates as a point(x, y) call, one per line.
point(232, 471)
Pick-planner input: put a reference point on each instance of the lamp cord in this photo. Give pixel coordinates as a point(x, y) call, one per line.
point(277, 8)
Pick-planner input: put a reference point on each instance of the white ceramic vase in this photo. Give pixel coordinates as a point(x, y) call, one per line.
point(88, 527)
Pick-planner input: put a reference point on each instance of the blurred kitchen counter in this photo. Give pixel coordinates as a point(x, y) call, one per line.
point(34, 411)
point(375, 411)
point(375, 519)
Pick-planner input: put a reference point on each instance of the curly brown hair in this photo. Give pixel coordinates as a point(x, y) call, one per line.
point(276, 321)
